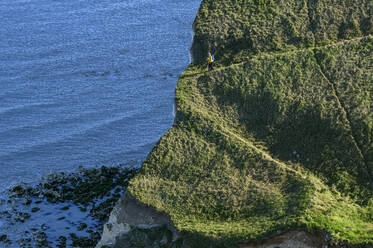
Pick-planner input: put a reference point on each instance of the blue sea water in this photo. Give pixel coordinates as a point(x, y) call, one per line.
point(87, 82)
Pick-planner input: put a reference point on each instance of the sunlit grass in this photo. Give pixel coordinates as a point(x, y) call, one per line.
point(279, 135)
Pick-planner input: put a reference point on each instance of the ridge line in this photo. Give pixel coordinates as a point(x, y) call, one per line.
point(310, 19)
point(264, 153)
point(275, 54)
point(287, 51)
point(346, 117)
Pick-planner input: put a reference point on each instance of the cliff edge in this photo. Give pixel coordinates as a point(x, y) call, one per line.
point(278, 138)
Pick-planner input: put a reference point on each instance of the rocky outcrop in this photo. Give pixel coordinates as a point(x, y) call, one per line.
point(133, 223)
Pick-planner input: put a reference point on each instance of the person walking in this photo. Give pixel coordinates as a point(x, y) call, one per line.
point(211, 60)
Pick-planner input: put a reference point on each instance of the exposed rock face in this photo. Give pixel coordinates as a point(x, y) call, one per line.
point(132, 222)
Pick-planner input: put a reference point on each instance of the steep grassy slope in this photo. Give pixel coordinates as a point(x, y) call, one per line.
point(246, 27)
point(289, 103)
point(275, 140)
point(349, 70)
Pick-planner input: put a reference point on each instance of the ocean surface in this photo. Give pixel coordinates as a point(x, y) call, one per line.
point(87, 82)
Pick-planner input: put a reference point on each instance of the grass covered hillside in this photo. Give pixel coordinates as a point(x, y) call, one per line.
point(236, 29)
point(280, 134)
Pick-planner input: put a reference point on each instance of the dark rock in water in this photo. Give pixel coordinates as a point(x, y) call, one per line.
point(35, 209)
point(3, 237)
point(61, 242)
point(50, 180)
point(21, 217)
point(81, 187)
point(24, 241)
point(82, 242)
point(44, 227)
point(52, 195)
point(41, 239)
point(65, 208)
point(82, 226)
point(19, 190)
point(27, 201)
point(83, 209)
point(94, 191)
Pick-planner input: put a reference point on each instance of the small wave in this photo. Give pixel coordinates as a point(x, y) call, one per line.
point(49, 53)
point(22, 108)
point(124, 51)
point(64, 59)
point(168, 74)
point(83, 131)
point(55, 124)
point(96, 73)
point(107, 6)
point(148, 75)
point(174, 110)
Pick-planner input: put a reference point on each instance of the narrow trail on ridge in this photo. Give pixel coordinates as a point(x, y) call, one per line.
point(347, 118)
point(265, 54)
point(340, 104)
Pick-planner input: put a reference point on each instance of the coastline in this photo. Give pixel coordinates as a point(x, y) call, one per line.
point(202, 160)
point(140, 218)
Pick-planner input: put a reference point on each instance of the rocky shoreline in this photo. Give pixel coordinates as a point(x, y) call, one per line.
point(63, 209)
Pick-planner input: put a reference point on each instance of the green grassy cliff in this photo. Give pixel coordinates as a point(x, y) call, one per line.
point(280, 134)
